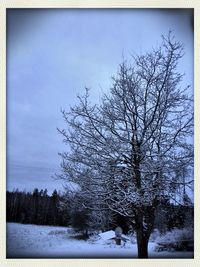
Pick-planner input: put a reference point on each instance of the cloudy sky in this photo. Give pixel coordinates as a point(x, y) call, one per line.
point(52, 55)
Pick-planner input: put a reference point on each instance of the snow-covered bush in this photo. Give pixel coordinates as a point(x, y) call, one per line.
point(177, 239)
point(176, 235)
point(155, 235)
point(94, 238)
point(132, 237)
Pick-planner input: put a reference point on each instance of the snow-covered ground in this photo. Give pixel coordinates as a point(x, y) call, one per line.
point(33, 241)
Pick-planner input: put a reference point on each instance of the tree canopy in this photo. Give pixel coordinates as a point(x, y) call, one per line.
point(127, 153)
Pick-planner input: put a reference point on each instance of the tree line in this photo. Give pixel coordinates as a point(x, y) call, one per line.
point(35, 208)
point(66, 210)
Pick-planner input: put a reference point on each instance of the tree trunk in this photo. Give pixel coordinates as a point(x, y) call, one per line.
point(142, 245)
point(144, 226)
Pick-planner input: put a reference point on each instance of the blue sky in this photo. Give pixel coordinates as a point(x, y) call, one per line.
point(52, 55)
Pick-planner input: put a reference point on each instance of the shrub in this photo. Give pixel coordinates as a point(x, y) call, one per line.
point(132, 237)
point(177, 239)
point(155, 235)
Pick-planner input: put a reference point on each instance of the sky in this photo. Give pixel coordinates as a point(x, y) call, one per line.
point(52, 55)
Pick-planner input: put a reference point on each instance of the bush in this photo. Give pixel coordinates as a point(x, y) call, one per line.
point(132, 237)
point(155, 235)
point(177, 239)
point(80, 221)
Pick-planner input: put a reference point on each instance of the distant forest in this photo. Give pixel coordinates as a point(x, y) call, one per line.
point(35, 208)
point(41, 209)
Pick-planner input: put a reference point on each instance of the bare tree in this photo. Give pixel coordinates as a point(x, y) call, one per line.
point(125, 152)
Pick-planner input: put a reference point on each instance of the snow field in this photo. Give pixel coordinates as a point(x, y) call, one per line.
point(34, 241)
